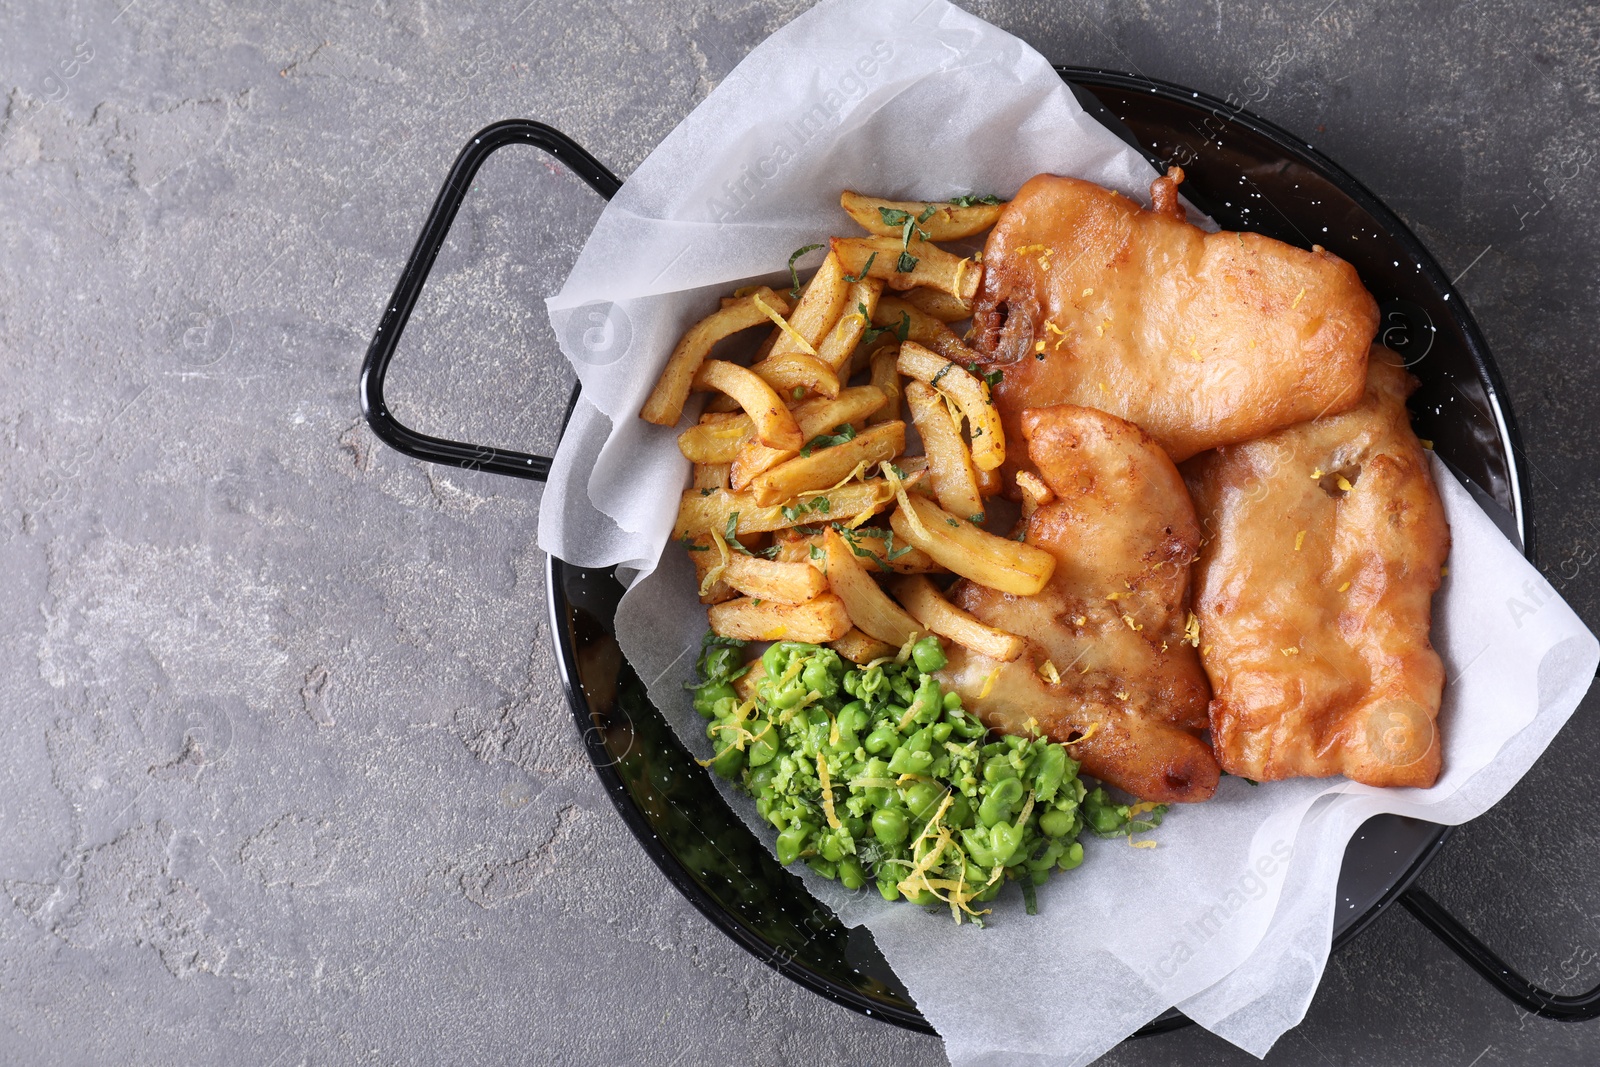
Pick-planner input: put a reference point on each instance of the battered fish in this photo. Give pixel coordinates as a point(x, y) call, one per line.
point(1201, 339)
point(1107, 667)
point(1313, 589)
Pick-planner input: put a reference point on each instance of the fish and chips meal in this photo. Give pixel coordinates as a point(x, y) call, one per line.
point(1046, 537)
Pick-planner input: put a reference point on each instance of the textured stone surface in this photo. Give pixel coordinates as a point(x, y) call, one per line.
point(285, 776)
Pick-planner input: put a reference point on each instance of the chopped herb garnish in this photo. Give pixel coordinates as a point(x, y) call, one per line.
point(841, 433)
point(816, 551)
point(993, 378)
point(689, 543)
point(731, 534)
point(771, 551)
point(893, 216)
point(942, 372)
point(954, 523)
point(872, 333)
point(976, 518)
point(927, 213)
point(969, 199)
point(865, 267)
point(794, 275)
point(906, 263)
point(707, 492)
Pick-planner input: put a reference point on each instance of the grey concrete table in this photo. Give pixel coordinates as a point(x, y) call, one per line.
point(285, 773)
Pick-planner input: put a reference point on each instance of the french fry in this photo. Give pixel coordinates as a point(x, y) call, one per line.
point(815, 622)
point(788, 371)
point(880, 257)
point(715, 438)
point(923, 328)
point(941, 306)
point(827, 467)
point(700, 511)
point(990, 483)
point(721, 404)
point(840, 343)
point(774, 426)
point(814, 416)
point(997, 562)
point(869, 607)
point(766, 579)
point(706, 558)
point(971, 395)
point(818, 308)
point(931, 610)
point(664, 406)
point(949, 464)
point(886, 379)
point(946, 222)
point(710, 476)
point(1035, 493)
point(857, 647)
point(870, 540)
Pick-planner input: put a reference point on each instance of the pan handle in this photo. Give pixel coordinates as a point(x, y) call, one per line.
point(1447, 928)
point(391, 430)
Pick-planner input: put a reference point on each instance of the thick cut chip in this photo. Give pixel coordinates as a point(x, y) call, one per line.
point(815, 416)
point(1314, 594)
point(818, 468)
point(1200, 339)
point(1106, 668)
point(870, 608)
point(940, 220)
point(971, 551)
point(774, 425)
point(905, 266)
point(929, 607)
point(970, 393)
point(666, 400)
point(949, 463)
point(815, 622)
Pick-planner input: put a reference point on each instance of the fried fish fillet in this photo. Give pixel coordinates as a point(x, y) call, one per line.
point(1323, 548)
point(1201, 339)
point(1106, 665)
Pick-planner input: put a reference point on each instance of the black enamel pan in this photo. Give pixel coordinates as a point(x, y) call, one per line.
point(1247, 174)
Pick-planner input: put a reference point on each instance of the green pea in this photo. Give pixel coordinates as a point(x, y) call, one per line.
point(760, 780)
point(765, 746)
point(728, 762)
point(1048, 774)
point(831, 848)
point(941, 732)
point(1073, 857)
point(1005, 839)
point(706, 697)
point(816, 675)
point(976, 842)
point(998, 770)
point(927, 655)
point(882, 739)
point(787, 697)
point(1055, 823)
point(1039, 877)
point(960, 813)
point(925, 897)
point(922, 798)
point(952, 701)
point(907, 760)
point(888, 890)
point(929, 701)
point(998, 805)
point(822, 867)
point(890, 826)
point(792, 841)
point(851, 876)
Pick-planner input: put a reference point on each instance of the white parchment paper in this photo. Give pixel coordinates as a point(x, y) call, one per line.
point(1230, 917)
